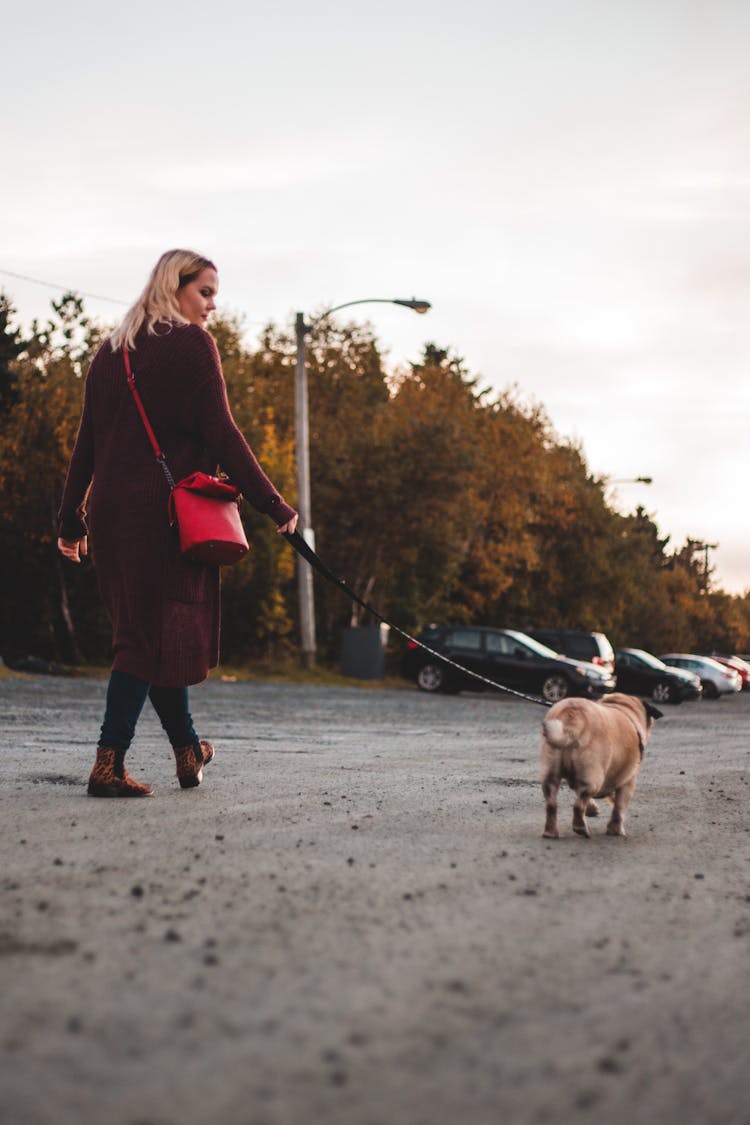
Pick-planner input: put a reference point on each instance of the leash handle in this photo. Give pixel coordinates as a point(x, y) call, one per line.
point(303, 548)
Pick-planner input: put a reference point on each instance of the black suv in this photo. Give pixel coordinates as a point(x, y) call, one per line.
point(505, 656)
point(578, 644)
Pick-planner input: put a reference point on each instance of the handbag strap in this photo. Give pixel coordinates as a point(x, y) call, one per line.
point(144, 418)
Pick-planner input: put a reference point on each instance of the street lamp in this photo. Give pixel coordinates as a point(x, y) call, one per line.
point(609, 492)
point(697, 545)
point(304, 572)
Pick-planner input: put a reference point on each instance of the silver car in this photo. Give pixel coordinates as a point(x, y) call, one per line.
point(716, 678)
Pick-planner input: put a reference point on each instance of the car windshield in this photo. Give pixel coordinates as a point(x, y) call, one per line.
point(646, 658)
point(690, 661)
point(528, 642)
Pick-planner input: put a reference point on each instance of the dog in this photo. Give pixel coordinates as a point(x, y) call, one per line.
point(597, 747)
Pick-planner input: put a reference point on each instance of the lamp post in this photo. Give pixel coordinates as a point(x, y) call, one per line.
point(699, 545)
point(302, 429)
point(610, 482)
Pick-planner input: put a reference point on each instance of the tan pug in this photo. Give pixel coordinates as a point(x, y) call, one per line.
point(597, 747)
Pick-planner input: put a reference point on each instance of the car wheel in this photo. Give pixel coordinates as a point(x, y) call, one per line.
point(710, 690)
point(664, 693)
point(555, 688)
point(431, 677)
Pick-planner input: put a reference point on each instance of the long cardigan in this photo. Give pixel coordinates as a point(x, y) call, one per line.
point(164, 609)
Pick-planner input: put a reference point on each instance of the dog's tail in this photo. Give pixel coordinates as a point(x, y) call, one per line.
point(558, 735)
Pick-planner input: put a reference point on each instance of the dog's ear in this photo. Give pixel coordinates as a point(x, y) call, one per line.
point(653, 712)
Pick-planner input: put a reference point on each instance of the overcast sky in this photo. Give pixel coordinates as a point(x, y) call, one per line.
point(568, 183)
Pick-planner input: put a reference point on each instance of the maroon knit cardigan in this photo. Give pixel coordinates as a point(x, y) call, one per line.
point(164, 609)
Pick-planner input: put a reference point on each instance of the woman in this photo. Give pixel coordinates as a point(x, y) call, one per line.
point(164, 608)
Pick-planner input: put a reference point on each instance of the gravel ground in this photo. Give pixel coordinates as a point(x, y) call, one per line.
point(356, 919)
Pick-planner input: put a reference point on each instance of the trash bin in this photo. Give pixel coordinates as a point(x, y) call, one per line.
point(363, 652)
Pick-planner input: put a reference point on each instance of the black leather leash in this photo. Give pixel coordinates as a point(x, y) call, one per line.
point(303, 548)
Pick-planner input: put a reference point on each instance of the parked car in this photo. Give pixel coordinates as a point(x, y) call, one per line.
point(717, 680)
point(640, 673)
point(506, 656)
point(739, 665)
point(578, 644)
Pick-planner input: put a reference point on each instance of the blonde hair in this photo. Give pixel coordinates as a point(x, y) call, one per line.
point(157, 303)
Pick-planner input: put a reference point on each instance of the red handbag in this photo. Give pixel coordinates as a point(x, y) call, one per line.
point(206, 511)
point(204, 508)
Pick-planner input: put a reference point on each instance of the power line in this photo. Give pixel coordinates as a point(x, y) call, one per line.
point(62, 288)
point(93, 296)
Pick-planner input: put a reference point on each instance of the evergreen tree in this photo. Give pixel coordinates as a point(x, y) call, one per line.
point(12, 345)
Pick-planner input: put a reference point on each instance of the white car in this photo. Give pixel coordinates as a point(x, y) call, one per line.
point(716, 678)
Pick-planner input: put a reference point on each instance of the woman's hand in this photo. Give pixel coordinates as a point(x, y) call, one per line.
point(288, 527)
point(74, 549)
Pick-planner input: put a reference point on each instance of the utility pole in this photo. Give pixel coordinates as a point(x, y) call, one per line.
point(302, 433)
point(697, 545)
point(304, 572)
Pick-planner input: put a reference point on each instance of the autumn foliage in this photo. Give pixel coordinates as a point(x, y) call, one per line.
point(435, 499)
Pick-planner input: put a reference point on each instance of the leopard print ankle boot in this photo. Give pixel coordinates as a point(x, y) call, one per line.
point(109, 778)
point(190, 762)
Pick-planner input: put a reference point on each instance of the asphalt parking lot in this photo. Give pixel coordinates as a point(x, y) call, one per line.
point(356, 919)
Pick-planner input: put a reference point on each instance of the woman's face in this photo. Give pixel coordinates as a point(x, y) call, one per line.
point(197, 299)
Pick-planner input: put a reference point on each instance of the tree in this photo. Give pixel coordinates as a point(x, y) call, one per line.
point(36, 439)
point(12, 345)
point(435, 499)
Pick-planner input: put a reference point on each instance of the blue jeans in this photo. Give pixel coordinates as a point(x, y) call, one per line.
point(126, 696)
